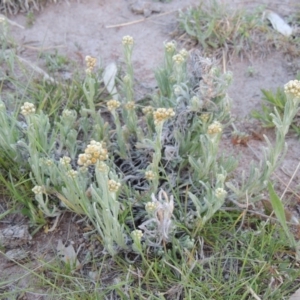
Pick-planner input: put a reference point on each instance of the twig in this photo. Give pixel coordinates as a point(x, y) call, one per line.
point(140, 20)
point(244, 213)
point(253, 293)
point(11, 22)
point(126, 24)
point(256, 213)
point(54, 224)
point(291, 179)
point(43, 48)
point(37, 69)
point(179, 271)
point(277, 177)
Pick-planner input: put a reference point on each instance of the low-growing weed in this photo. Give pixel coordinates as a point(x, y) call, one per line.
point(30, 19)
point(145, 176)
point(148, 177)
point(55, 62)
point(273, 100)
point(99, 169)
point(221, 29)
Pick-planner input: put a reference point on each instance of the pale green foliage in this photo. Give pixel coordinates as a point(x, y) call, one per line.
point(165, 150)
point(280, 214)
point(276, 99)
point(177, 144)
point(259, 176)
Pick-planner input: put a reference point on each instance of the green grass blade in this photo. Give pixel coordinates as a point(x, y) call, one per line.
point(280, 212)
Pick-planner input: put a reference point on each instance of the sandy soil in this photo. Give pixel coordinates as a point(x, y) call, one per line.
point(80, 28)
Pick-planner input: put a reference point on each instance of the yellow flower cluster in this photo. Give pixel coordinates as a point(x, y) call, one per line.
point(204, 117)
point(67, 113)
point(113, 104)
point(178, 59)
point(65, 160)
point(94, 152)
point(137, 234)
point(130, 105)
point(220, 193)
point(27, 109)
point(126, 79)
point(214, 128)
point(184, 53)
point(150, 175)
point(151, 206)
point(162, 114)
point(83, 169)
point(293, 88)
point(127, 40)
point(48, 162)
point(113, 186)
point(177, 91)
point(170, 47)
point(147, 110)
point(38, 190)
point(72, 173)
point(102, 167)
point(90, 63)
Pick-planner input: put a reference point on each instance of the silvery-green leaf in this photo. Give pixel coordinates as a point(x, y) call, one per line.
point(109, 76)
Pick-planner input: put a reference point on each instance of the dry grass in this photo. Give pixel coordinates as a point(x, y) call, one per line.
point(220, 30)
point(16, 6)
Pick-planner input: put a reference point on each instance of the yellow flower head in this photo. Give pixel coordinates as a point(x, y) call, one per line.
point(38, 190)
point(147, 110)
point(184, 53)
point(170, 47)
point(65, 161)
point(113, 104)
point(150, 175)
point(126, 78)
point(113, 186)
point(293, 88)
point(127, 40)
point(162, 114)
point(130, 105)
point(72, 173)
point(204, 117)
point(151, 206)
point(214, 128)
point(67, 113)
point(102, 167)
point(177, 91)
point(27, 109)
point(178, 59)
point(220, 193)
point(94, 152)
point(48, 162)
point(137, 234)
point(90, 63)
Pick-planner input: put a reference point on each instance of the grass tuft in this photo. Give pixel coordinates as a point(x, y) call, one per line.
point(221, 30)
